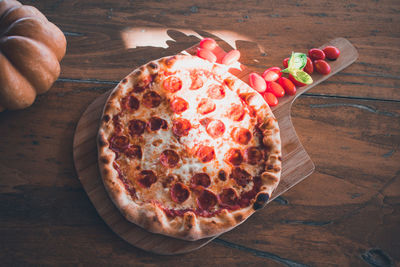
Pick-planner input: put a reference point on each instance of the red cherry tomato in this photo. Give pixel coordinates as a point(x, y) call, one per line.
point(257, 82)
point(321, 66)
point(286, 62)
point(331, 52)
point(272, 74)
point(287, 85)
point(231, 57)
point(316, 53)
point(271, 99)
point(206, 54)
point(296, 82)
point(208, 43)
point(309, 68)
point(275, 88)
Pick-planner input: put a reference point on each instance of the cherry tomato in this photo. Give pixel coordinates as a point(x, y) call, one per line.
point(316, 53)
point(309, 68)
point(287, 85)
point(208, 43)
point(271, 99)
point(272, 74)
point(275, 88)
point(286, 62)
point(231, 57)
point(321, 66)
point(296, 82)
point(331, 52)
point(257, 82)
point(206, 54)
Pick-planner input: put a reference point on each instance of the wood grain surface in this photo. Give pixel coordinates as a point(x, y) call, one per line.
point(296, 163)
point(345, 214)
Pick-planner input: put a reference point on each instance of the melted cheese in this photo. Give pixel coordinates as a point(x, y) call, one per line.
point(154, 143)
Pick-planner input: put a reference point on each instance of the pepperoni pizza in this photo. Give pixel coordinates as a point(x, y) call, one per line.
point(186, 149)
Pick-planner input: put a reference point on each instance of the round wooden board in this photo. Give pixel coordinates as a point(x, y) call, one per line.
point(297, 165)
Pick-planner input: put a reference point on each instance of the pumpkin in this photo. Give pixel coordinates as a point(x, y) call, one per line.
point(31, 48)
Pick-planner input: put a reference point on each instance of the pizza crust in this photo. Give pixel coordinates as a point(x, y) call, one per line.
point(150, 215)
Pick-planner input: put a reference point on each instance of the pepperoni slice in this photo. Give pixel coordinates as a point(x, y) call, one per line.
point(179, 105)
point(167, 180)
point(202, 179)
point(172, 84)
point(197, 81)
point(136, 127)
point(156, 123)
point(216, 91)
point(234, 157)
point(147, 178)
point(117, 123)
point(207, 200)
point(236, 112)
point(142, 84)
point(253, 155)
point(222, 175)
point(169, 158)
point(241, 135)
point(179, 192)
point(228, 197)
point(119, 143)
point(181, 127)
point(241, 176)
point(133, 151)
point(215, 128)
point(151, 99)
point(247, 196)
point(205, 121)
point(205, 153)
point(133, 103)
point(205, 106)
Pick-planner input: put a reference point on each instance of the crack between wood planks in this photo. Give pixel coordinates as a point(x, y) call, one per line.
point(358, 83)
point(305, 94)
point(74, 34)
point(350, 97)
point(363, 107)
point(259, 253)
point(86, 81)
point(311, 223)
point(372, 74)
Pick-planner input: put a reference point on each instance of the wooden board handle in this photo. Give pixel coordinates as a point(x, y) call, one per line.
point(297, 165)
point(348, 55)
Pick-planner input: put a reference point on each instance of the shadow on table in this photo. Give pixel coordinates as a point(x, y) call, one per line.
point(146, 44)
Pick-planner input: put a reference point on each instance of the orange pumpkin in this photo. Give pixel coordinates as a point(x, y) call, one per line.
point(31, 48)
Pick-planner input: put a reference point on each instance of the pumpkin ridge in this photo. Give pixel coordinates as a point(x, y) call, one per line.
point(18, 92)
point(20, 12)
point(5, 6)
point(44, 32)
point(40, 67)
point(31, 48)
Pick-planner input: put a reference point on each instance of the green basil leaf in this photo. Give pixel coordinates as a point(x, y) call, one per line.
point(301, 76)
point(297, 61)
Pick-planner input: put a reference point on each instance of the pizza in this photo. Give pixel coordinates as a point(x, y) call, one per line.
point(186, 149)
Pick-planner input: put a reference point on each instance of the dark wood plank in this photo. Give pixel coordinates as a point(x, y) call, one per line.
point(97, 50)
point(345, 214)
point(348, 207)
point(350, 204)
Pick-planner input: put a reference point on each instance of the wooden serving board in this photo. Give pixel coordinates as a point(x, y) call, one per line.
point(297, 165)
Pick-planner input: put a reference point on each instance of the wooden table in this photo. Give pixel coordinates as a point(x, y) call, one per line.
point(346, 213)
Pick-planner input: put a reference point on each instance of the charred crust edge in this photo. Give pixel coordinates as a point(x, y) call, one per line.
point(102, 140)
point(153, 65)
point(106, 118)
point(261, 201)
point(105, 160)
